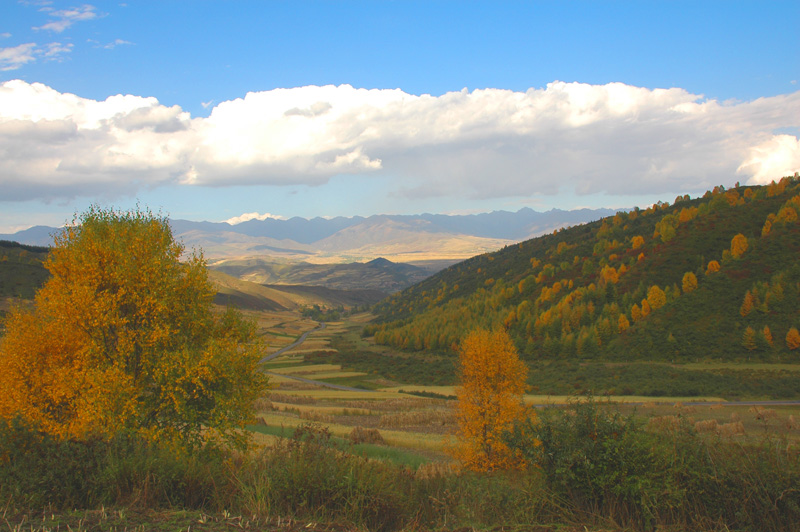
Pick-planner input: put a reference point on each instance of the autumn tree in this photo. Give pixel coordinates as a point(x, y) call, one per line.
point(713, 267)
point(793, 339)
point(767, 334)
point(123, 337)
point(489, 400)
point(689, 282)
point(656, 297)
point(738, 246)
point(636, 313)
point(747, 304)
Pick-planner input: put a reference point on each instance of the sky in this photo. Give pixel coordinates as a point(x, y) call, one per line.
point(229, 110)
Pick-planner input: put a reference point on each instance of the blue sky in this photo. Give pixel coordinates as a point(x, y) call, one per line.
point(320, 108)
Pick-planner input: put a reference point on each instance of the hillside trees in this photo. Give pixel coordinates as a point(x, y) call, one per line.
point(123, 337)
point(489, 400)
point(564, 295)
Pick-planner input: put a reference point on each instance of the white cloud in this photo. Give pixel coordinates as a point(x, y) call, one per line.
point(246, 217)
point(115, 43)
point(55, 50)
point(64, 18)
point(777, 157)
point(614, 139)
point(14, 57)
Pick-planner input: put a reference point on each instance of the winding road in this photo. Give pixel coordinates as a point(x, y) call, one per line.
point(292, 345)
point(303, 379)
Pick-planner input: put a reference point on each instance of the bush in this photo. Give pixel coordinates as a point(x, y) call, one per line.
point(606, 466)
point(38, 470)
point(308, 476)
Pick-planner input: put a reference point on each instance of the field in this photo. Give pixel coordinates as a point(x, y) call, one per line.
point(419, 418)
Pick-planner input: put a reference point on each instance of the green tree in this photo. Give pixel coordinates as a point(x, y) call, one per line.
point(123, 336)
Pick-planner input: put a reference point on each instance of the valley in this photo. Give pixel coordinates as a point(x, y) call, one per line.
point(360, 405)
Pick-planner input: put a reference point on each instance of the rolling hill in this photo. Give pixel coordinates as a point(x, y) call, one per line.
point(671, 283)
point(22, 273)
point(248, 295)
point(378, 275)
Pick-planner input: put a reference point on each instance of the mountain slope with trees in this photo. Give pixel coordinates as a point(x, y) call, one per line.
point(716, 277)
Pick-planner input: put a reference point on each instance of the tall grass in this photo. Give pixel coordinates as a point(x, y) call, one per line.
point(591, 467)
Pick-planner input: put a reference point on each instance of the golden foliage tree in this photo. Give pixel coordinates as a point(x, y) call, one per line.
point(747, 304)
point(713, 267)
point(767, 334)
point(738, 246)
point(489, 400)
point(123, 337)
point(656, 297)
point(749, 339)
point(793, 339)
point(689, 282)
point(636, 313)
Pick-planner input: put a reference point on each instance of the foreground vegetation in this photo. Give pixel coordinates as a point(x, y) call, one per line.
point(594, 467)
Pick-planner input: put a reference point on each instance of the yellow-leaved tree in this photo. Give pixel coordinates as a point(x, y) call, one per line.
point(689, 282)
point(123, 337)
point(739, 246)
point(493, 381)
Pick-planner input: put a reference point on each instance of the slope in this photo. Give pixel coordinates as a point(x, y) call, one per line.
point(379, 274)
point(668, 283)
point(254, 296)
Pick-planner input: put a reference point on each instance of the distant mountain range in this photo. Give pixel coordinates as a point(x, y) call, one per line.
point(400, 238)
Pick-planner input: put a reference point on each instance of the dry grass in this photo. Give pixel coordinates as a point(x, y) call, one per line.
point(307, 370)
point(364, 435)
point(394, 438)
point(319, 410)
point(419, 418)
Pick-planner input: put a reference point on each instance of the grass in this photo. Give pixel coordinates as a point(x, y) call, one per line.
point(150, 520)
point(389, 453)
point(740, 366)
point(539, 399)
point(306, 370)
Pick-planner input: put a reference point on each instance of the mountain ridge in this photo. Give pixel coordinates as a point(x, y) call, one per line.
point(399, 238)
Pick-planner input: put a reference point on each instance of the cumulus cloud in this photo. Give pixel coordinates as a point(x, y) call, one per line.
point(246, 217)
point(614, 139)
point(777, 156)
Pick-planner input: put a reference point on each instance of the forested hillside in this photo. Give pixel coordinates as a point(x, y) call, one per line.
point(716, 277)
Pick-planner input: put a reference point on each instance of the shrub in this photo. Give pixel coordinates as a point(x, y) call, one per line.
point(38, 469)
point(610, 467)
point(308, 476)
